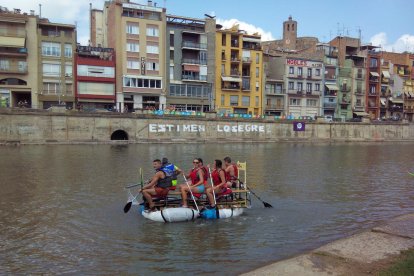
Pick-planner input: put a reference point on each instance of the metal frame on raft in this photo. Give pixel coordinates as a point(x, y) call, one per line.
point(169, 210)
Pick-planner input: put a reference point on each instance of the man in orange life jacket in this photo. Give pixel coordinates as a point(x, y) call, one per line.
point(232, 173)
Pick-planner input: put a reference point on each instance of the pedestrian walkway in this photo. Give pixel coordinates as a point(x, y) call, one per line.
point(361, 254)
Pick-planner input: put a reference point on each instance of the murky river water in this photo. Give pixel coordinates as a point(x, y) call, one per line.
point(61, 206)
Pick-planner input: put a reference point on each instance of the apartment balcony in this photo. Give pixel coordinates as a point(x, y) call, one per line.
point(330, 93)
point(374, 79)
point(235, 73)
point(359, 92)
point(194, 45)
point(13, 69)
point(373, 94)
point(330, 105)
point(194, 78)
point(277, 92)
point(194, 61)
point(274, 107)
point(231, 87)
point(409, 109)
point(395, 108)
point(345, 102)
point(247, 60)
point(234, 60)
point(345, 88)
point(13, 52)
point(313, 93)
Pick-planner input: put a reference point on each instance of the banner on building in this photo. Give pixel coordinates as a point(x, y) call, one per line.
point(298, 126)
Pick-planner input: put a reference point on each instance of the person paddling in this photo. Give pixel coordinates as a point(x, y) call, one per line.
point(218, 178)
point(158, 186)
point(197, 176)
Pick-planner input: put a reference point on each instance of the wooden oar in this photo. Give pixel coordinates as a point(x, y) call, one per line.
point(410, 173)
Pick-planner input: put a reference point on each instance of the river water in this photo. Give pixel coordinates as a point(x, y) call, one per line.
point(61, 206)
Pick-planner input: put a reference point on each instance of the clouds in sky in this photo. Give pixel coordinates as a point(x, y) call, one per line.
point(249, 28)
point(403, 43)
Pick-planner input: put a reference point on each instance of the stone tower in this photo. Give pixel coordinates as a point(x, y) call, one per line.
point(290, 34)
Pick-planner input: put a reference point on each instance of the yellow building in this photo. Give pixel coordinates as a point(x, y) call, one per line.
point(239, 72)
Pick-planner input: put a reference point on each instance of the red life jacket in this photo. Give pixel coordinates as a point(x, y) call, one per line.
point(194, 175)
point(236, 174)
point(215, 176)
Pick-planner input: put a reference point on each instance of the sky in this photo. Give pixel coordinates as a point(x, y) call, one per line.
point(384, 23)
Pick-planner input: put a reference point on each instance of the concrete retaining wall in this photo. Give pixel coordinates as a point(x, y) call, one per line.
point(36, 127)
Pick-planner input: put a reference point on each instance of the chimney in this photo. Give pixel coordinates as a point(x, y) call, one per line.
point(150, 3)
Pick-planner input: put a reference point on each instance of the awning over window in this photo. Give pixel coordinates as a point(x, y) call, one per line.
point(231, 79)
point(374, 74)
point(191, 68)
point(17, 42)
point(386, 74)
point(332, 87)
point(362, 114)
point(383, 101)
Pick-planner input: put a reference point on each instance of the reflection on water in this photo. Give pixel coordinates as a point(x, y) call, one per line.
point(61, 206)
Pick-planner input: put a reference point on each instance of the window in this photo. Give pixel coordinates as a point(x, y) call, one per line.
point(171, 72)
point(317, 72)
point(299, 71)
point(68, 70)
point(68, 50)
point(153, 49)
point(153, 66)
point(309, 72)
point(309, 87)
point(152, 31)
point(300, 86)
point(234, 100)
point(373, 62)
point(51, 49)
point(172, 40)
point(317, 86)
point(51, 88)
point(96, 88)
point(4, 64)
point(69, 89)
point(222, 100)
point(143, 83)
point(291, 85)
point(270, 88)
point(293, 101)
point(132, 47)
point(133, 64)
point(96, 71)
point(257, 101)
point(223, 69)
point(245, 101)
point(52, 70)
point(291, 70)
point(257, 58)
point(311, 102)
point(132, 29)
point(257, 72)
point(223, 39)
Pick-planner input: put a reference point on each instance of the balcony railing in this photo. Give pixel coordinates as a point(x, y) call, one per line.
point(345, 88)
point(329, 105)
point(194, 61)
point(13, 69)
point(234, 59)
point(194, 45)
point(246, 60)
point(359, 92)
point(274, 106)
point(194, 78)
point(231, 87)
point(235, 73)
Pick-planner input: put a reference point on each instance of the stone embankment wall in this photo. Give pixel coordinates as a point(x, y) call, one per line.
point(38, 127)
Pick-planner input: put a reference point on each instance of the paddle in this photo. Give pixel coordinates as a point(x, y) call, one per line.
point(128, 206)
point(192, 196)
point(212, 186)
point(267, 205)
point(410, 173)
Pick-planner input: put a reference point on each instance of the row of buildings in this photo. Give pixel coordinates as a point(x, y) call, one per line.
point(140, 57)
